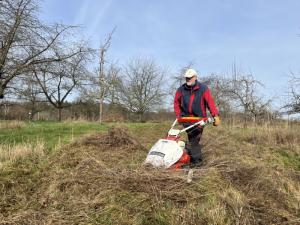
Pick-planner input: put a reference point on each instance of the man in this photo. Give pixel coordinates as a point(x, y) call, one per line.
point(192, 99)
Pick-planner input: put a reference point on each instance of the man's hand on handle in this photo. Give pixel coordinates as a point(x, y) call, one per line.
point(217, 121)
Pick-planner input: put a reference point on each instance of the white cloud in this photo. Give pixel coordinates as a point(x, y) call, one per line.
point(95, 21)
point(82, 13)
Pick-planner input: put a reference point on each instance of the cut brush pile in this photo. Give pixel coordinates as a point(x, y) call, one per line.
point(100, 180)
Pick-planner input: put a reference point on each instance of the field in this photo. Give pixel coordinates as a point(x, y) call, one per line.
point(86, 173)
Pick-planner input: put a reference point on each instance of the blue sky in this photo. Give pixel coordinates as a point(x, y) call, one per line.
point(262, 37)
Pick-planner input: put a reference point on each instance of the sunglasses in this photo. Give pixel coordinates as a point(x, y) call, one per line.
point(188, 78)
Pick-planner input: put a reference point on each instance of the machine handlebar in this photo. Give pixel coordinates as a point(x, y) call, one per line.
point(190, 119)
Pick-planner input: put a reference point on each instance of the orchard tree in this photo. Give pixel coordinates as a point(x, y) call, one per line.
point(58, 79)
point(28, 89)
point(293, 105)
point(25, 42)
point(142, 86)
point(243, 91)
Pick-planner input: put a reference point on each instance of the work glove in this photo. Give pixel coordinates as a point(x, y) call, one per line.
point(217, 121)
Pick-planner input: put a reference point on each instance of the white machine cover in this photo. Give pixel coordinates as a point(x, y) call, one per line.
point(164, 153)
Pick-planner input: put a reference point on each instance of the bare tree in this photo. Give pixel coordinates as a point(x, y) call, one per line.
point(114, 83)
point(293, 105)
point(29, 90)
point(109, 87)
point(100, 86)
point(103, 82)
point(243, 90)
point(219, 88)
point(25, 42)
point(141, 89)
point(260, 108)
point(57, 80)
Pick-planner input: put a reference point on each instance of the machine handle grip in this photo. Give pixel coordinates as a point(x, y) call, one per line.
point(190, 119)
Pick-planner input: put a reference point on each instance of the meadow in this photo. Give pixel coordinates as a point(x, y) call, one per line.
point(86, 173)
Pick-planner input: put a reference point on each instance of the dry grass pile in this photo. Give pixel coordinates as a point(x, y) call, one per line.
point(268, 182)
point(116, 137)
point(100, 180)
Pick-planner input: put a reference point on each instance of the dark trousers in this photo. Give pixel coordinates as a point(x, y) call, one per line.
point(193, 146)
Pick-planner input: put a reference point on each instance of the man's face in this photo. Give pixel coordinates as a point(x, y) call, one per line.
point(191, 80)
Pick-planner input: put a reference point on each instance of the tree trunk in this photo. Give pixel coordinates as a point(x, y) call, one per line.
point(245, 118)
point(100, 110)
point(32, 111)
point(141, 116)
point(6, 110)
point(59, 114)
point(2, 89)
point(1, 93)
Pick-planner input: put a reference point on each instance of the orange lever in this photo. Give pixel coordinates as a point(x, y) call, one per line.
point(190, 119)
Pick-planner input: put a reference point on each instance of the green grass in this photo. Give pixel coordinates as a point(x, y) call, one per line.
point(52, 133)
point(56, 133)
point(289, 159)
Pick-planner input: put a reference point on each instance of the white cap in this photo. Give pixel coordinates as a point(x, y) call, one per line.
point(190, 73)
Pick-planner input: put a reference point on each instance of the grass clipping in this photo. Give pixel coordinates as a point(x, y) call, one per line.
point(100, 180)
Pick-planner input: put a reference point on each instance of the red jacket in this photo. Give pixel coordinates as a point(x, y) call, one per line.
point(193, 101)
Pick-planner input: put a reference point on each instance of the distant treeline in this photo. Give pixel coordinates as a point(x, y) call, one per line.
point(43, 66)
